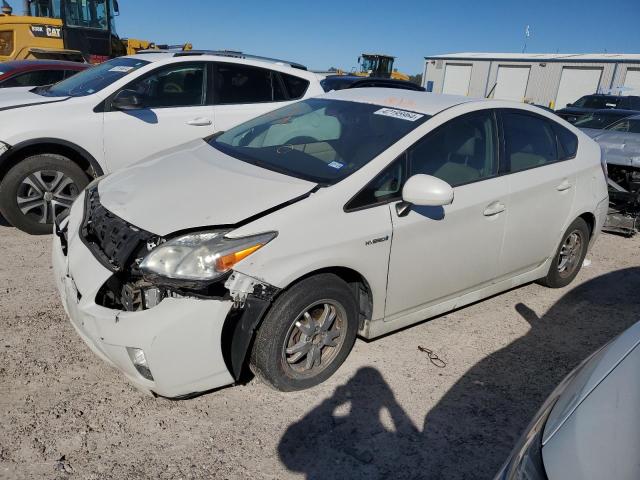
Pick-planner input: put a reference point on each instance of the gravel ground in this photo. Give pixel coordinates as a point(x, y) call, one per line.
point(387, 413)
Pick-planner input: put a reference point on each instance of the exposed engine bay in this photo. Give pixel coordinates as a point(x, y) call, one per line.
point(624, 200)
point(121, 247)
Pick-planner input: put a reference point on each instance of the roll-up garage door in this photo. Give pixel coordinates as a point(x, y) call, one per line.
point(511, 83)
point(456, 79)
point(632, 82)
point(575, 83)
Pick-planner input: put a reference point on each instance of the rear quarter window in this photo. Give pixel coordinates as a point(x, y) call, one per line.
point(296, 86)
point(567, 142)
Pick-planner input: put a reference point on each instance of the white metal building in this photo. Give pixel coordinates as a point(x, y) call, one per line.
point(551, 79)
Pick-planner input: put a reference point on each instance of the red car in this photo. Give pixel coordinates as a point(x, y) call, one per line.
point(34, 73)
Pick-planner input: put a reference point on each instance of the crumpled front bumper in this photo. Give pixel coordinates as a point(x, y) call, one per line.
point(181, 338)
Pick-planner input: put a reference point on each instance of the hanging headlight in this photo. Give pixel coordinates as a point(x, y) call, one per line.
point(202, 256)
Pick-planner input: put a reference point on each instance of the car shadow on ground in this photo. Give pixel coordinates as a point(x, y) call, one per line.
point(471, 430)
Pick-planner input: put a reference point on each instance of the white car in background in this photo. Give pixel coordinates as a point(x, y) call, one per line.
point(588, 428)
point(360, 211)
point(53, 140)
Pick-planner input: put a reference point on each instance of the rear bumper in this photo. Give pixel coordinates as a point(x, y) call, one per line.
point(181, 338)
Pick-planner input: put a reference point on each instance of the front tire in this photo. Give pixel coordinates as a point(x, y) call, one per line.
point(569, 256)
point(307, 334)
point(39, 189)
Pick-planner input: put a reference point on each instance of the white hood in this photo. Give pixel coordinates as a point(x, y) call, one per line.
point(195, 185)
point(22, 96)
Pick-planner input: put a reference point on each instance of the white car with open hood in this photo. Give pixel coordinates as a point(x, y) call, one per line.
point(355, 213)
point(54, 140)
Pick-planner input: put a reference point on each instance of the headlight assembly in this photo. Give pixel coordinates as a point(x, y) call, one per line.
point(525, 462)
point(202, 256)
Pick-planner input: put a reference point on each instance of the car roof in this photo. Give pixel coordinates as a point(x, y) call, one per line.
point(218, 55)
point(24, 64)
point(422, 102)
point(347, 81)
point(356, 78)
point(609, 95)
point(613, 112)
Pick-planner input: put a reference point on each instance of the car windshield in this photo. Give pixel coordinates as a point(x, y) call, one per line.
point(93, 79)
point(599, 121)
point(597, 101)
point(627, 125)
point(319, 140)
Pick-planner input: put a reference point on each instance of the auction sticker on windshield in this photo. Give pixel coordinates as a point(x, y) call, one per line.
point(121, 68)
point(402, 114)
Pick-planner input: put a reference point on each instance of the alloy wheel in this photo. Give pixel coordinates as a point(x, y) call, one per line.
point(44, 195)
point(315, 338)
point(570, 254)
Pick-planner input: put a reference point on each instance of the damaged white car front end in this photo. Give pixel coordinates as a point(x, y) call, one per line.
point(157, 316)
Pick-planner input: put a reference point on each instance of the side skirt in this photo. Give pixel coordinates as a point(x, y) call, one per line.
point(381, 327)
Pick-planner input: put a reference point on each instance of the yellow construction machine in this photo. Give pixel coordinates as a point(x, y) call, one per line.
point(378, 65)
point(79, 30)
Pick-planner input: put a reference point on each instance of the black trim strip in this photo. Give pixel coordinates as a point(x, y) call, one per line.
point(12, 107)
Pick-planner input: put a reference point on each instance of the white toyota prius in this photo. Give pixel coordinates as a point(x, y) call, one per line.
point(355, 213)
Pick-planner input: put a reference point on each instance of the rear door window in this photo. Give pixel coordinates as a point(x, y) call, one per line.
point(238, 84)
point(530, 141)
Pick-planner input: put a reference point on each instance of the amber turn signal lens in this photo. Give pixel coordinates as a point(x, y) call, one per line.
point(226, 262)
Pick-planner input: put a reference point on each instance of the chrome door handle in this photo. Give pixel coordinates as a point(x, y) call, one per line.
point(199, 122)
point(494, 209)
point(565, 185)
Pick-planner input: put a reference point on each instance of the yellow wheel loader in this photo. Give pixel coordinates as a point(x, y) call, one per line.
point(378, 65)
point(78, 30)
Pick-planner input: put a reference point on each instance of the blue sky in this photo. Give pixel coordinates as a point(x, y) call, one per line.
point(329, 33)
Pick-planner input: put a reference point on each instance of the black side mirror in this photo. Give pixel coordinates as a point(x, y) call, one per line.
point(569, 104)
point(116, 8)
point(127, 100)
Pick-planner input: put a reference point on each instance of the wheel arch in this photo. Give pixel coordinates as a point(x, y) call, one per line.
point(36, 146)
point(239, 328)
point(357, 282)
point(590, 219)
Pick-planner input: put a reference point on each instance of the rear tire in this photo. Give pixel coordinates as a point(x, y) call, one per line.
point(569, 256)
point(307, 334)
point(39, 189)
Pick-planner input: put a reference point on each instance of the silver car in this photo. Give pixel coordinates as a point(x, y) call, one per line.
point(620, 142)
point(596, 122)
point(588, 428)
